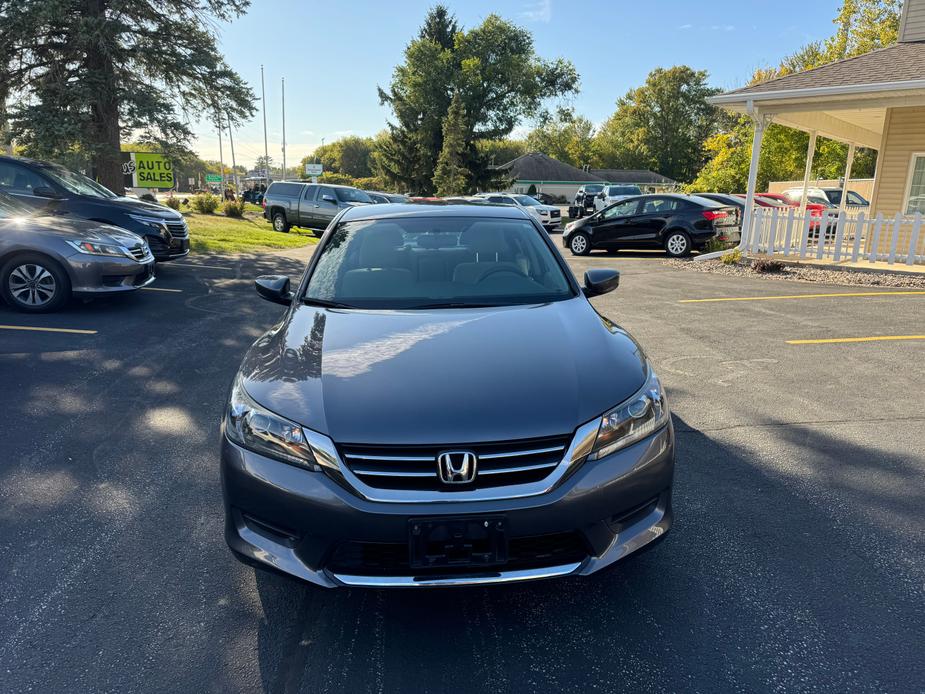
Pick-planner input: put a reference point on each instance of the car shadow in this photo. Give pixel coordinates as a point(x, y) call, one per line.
point(756, 586)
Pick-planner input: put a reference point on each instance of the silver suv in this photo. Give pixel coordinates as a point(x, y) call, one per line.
point(309, 205)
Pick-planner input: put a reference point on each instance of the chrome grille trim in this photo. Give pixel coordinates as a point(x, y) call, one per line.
point(406, 458)
point(510, 470)
point(327, 454)
point(518, 454)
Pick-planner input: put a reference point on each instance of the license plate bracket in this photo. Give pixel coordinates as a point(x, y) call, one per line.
point(457, 542)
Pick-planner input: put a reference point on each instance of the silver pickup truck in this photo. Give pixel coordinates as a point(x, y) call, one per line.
point(308, 205)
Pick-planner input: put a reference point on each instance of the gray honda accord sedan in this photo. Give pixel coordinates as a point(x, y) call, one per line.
point(44, 260)
point(441, 405)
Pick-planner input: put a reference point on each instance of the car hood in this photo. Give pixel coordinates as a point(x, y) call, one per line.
point(74, 229)
point(135, 206)
point(444, 376)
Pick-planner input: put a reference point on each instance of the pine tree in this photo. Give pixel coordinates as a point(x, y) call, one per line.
point(82, 75)
point(451, 176)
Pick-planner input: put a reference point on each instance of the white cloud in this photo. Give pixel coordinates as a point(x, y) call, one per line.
point(686, 26)
point(537, 11)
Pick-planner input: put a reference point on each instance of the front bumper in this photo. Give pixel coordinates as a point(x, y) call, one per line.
point(296, 521)
point(93, 275)
point(164, 250)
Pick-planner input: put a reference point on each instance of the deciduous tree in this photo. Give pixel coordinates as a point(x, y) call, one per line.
point(85, 74)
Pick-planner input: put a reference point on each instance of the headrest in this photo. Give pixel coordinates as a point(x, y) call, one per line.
point(379, 245)
point(485, 238)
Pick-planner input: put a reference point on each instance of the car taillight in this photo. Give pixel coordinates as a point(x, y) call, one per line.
point(712, 216)
point(815, 213)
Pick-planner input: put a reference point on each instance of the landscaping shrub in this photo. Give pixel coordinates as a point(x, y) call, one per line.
point(766, 265)
point(172, 202)
point(233, 208)
point(732, 257)
point(206, 203)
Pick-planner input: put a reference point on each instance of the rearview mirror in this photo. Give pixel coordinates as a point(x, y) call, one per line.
point(600, 281)
point(45, 192)
point(274, 288)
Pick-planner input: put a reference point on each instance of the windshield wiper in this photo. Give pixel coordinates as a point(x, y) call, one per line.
point(325, 303)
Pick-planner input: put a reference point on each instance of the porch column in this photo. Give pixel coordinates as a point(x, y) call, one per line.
point(810, 153)
point(761, 122)
point(844, 190)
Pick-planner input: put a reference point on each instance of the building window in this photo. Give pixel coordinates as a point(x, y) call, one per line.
point(915, 188)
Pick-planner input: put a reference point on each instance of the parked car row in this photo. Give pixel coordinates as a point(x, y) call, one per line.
point(313, 205)
point(63, 234)
point(677, 223)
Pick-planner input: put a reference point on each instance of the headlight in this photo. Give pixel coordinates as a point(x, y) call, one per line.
point(641, 415)
point(92, 248)
point(155, 222)
point(255, 428)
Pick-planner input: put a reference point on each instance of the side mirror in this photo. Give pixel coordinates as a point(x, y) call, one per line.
point(600, 281)
point(327, 197)
point(274, 288)
point(45, 192)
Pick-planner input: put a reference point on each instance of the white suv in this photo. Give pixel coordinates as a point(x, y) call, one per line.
point(547, 215)
point(614, 193)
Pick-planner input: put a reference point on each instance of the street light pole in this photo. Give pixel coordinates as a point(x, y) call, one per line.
point(234, 172)
point(266, 154)
point(284, 128)
point(221, 159)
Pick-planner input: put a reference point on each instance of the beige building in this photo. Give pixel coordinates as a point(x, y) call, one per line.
point(875, 100)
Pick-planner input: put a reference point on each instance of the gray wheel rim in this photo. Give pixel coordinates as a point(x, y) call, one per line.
point(579, 244)
point(32, 285)
point(278, 223)
point(677, 244)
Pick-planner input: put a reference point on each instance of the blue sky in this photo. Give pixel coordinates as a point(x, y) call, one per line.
point(333, 54)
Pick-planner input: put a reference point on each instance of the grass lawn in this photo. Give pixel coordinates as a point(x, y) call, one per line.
point(216, 233)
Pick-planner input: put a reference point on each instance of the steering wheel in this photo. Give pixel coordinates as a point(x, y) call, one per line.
point(498, 271)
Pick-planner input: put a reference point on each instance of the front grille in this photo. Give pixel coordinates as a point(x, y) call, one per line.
point(415, 467)
point(555, 213)
point(139, 252)
point(392, 558)
point(178, 230)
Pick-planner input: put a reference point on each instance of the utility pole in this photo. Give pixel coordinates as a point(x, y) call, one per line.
point(266, 154)
point(284, 128)
point(234, 172)
point(221, 158)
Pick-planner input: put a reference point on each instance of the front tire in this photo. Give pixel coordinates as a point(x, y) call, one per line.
point(280, 223)
point(34, 283)
point(678, 244)
point(579, 244)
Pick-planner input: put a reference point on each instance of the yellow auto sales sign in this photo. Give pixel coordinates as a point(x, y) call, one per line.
point(147, 170)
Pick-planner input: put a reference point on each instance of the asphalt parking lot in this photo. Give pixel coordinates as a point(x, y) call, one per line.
point(796, 563)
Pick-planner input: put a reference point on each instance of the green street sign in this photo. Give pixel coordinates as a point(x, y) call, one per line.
point(147, 170)
point(213, 178)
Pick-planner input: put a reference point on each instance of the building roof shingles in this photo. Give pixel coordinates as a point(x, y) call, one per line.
point(900, 62)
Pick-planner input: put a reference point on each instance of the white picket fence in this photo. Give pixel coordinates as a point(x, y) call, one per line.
point(837, 236)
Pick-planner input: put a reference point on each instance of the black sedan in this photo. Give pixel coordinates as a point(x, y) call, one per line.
point(676, 223)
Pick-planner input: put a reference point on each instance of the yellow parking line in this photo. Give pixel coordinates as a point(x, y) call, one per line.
point(842, 340)
point(799, 296)
point(162, 289)
point(74, 331)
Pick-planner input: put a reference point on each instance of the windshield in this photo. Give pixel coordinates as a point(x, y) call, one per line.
point(527, 201)
point(594, 188)
point(77, 183)
point(351, 195)
point(624, 190)
point(11, 207)
point(436, 262)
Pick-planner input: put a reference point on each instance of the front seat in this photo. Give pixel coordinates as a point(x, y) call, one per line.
point(380, 271)
point(487, 241)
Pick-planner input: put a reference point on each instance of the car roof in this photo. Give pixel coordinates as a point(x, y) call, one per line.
point(403, 209)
